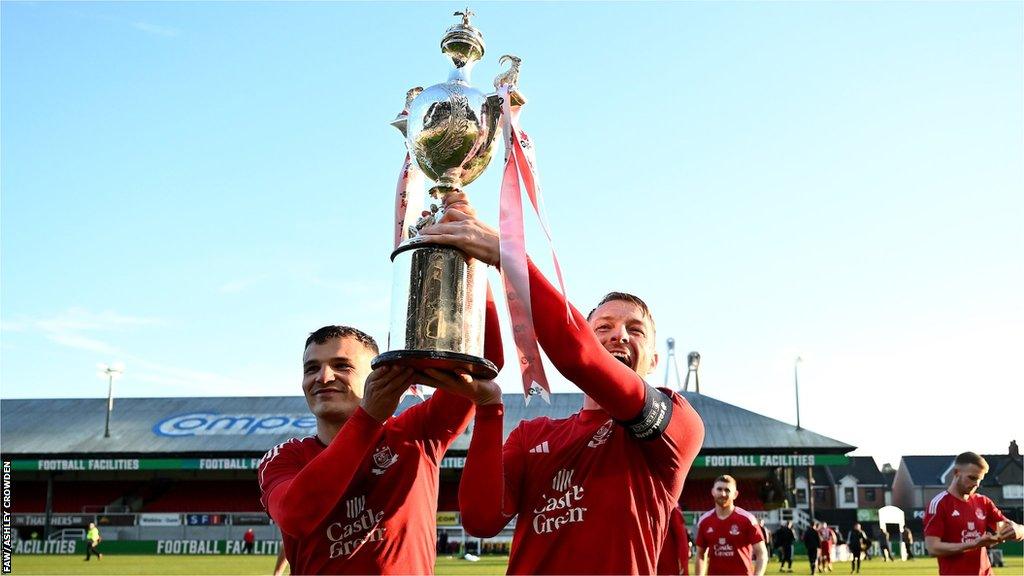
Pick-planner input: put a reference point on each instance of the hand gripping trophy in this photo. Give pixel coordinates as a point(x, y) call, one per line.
point(439, 294)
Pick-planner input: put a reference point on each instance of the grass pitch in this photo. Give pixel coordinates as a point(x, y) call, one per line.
point(446, 566)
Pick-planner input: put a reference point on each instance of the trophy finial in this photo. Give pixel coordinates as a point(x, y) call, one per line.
point(510, 76)
point(463, 43)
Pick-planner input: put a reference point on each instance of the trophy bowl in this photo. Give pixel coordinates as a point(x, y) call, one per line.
point(451, 131)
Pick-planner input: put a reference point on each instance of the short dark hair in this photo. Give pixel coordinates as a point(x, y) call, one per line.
point(625, 297)
point(322, 335)
point(971, 458)
point(725, 478)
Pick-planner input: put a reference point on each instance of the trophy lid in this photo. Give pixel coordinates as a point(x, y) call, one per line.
point(463, 43)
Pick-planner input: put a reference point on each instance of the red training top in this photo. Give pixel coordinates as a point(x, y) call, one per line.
point(954, 520)
point(729, 541)
point(366, 504)
point(675, 554)
point(591, 498)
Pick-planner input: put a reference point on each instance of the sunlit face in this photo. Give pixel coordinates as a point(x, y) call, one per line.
point(333, 376)
point(724, 493)
point(967, 478)
point(623, 330)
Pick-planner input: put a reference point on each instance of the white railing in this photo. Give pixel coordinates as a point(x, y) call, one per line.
point(68, 534)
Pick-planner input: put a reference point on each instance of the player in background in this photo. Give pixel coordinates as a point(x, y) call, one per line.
point(360, 496)
point(828, 542)
point(609, 475)
point(960, 525)
point(729, 539)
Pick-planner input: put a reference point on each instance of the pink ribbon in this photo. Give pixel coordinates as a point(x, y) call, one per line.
point(408, 201)
point(520, 166)
point(408, 198)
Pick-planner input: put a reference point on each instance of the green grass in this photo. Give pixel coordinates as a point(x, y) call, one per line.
point(114, 565)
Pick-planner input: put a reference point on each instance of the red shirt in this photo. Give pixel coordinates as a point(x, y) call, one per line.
point(590, 498)
point(675, 554)
point(729, 541)
point(376, 496)
point(954, 520)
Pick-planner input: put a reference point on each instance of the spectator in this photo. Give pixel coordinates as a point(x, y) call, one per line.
point(858, 543)
point(883, 544)
point(783, 539)
point(908, 542)
point(812, 541)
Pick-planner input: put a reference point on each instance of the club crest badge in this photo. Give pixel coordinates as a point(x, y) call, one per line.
point(734, 530)
point(602, 435)
point(383, 458)
point(979, 513)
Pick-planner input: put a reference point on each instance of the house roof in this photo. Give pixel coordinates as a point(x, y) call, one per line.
point(929, 470)
point(863, 468)
point(252, 425)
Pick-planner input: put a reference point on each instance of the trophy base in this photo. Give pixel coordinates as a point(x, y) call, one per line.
point(419, 359)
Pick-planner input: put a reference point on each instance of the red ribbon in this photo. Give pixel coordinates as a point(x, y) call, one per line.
point(520, 166)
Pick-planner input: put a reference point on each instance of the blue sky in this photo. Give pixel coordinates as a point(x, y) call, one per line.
point(191, 188)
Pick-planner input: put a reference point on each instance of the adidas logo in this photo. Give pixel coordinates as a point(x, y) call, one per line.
point(955, 513)
point(541, 448)
point(710, 530)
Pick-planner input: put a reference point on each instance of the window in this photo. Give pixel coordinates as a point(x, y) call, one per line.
point(848, 494)
point(1013, 491)
point(801, 496)
point(870, 494)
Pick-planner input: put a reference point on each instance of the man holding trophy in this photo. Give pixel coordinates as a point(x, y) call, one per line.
point(613, 472)
point(360, 496)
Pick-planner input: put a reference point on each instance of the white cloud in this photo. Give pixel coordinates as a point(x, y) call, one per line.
point(76, 328)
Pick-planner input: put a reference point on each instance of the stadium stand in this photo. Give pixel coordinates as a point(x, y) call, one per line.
point(194, 459)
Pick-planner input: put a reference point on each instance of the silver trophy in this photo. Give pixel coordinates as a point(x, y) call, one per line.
point(439, 294)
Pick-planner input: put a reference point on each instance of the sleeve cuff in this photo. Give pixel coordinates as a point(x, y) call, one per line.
point(362, 419)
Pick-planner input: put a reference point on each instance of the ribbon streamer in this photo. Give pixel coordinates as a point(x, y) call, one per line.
point(520, 166)
point(408, 198)
point(408, 203)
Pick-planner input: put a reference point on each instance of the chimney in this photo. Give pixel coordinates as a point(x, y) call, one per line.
point(1014, 451)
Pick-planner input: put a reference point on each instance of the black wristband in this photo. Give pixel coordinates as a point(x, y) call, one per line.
point(653, 418)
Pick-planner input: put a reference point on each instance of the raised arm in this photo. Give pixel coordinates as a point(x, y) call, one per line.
point(578, 354)
point(300, 499)
point(489, 491)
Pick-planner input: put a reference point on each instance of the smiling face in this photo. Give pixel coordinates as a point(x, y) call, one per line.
point(333, 375)
point(627, 332)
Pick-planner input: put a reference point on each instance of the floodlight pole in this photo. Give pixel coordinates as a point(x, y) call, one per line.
point(692, 364)
point(110, 372)
point(796, 386)
point(672, 362)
